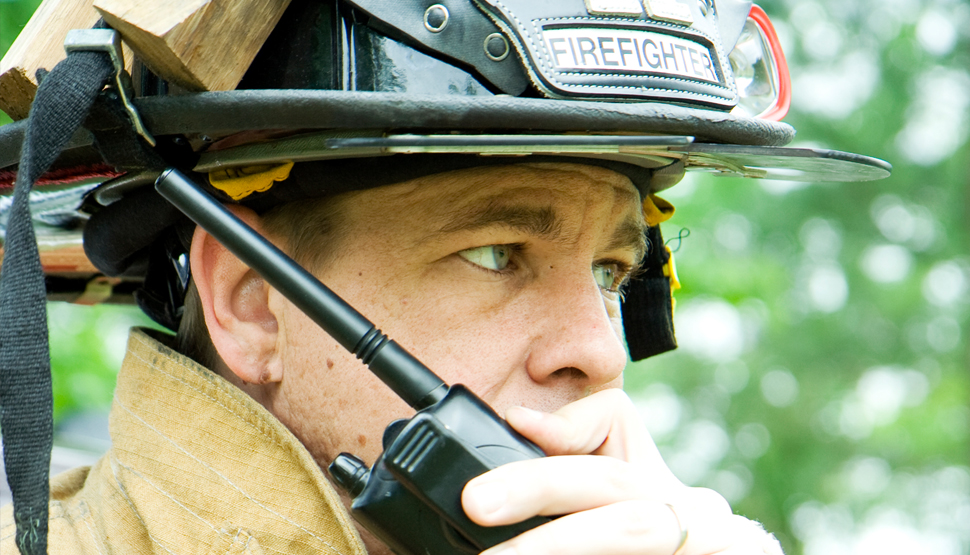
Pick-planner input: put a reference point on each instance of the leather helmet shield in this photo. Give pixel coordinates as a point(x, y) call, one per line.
point(623, 53)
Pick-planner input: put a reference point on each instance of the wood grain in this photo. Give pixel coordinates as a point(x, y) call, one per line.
point(40, 45)
point(196, 44)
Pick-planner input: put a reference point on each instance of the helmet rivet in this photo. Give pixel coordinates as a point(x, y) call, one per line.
point(436, 18)
point(496, 47)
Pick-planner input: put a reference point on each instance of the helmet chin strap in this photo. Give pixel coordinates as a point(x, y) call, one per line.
point(63, 100)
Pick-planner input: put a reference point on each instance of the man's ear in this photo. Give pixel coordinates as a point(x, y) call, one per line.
point(234, 301)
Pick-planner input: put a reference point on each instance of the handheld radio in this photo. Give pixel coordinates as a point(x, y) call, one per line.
point(411, 497)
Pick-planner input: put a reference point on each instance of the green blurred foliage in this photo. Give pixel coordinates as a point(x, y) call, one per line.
point(87, 345)
point(824, 365)
point(13, 16)
point(822, 381)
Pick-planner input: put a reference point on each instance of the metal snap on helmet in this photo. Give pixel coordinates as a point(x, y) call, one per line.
point(351, 94)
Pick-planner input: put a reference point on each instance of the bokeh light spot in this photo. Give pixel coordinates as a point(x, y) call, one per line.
point(732, 377)
point(945, 284)
point(710, 329)
point(886, 263)
point(752, 440)
point(660, 408)
point(936, 33)
point(779, 387)
point(943, 334)
point(828, 290)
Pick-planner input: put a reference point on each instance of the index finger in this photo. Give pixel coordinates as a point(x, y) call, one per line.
point(605, 423)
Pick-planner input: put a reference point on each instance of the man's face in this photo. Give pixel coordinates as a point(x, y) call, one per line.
point(501, 278)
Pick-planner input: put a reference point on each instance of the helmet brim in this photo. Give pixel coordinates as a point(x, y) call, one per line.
point(229, 127)
point(214, 115)
point(720, 142)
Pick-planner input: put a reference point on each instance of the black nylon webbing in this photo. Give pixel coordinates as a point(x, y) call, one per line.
point(648, 309)
point(26, 401)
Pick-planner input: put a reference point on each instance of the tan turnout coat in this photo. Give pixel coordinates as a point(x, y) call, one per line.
point(196, 467)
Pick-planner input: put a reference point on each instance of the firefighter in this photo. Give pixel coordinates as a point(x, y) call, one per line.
point(489, 201)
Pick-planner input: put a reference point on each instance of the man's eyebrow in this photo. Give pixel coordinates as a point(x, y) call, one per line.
point(631, 234)
point(540, 221)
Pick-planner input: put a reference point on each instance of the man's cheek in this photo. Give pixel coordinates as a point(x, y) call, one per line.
point(454, 319)
point(615, 314)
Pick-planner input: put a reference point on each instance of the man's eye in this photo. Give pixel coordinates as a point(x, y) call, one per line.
point(607, 276)
point(491, 257)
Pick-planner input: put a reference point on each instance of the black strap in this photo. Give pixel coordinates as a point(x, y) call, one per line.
point(26, 400)
point(648, 319)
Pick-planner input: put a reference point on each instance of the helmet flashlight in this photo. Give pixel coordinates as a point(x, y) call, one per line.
point(760, 70)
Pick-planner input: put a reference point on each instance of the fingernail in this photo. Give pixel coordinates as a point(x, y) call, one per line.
point(489, 497)
point(532, 414)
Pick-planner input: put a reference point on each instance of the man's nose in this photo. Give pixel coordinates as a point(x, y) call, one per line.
point(575, 336)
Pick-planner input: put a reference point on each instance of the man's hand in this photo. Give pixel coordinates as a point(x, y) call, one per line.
point(624, 501)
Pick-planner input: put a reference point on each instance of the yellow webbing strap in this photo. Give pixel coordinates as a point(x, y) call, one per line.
point(670, 270)
point(239, 183)
point(656, 211)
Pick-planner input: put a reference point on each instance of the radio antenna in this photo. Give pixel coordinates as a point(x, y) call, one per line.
point(405, 375)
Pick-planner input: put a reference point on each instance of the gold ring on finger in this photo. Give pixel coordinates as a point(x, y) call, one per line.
point(683, 531)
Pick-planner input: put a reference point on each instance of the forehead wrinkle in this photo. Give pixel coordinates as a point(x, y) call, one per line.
point(540, 221)
point(630, 234)
point(523, 207)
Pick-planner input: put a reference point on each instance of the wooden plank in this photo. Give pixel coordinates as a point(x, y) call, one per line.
point(41, 45)
point(196, 44)
point(67, 260)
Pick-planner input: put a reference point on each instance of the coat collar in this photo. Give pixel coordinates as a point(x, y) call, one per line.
point(195, 460)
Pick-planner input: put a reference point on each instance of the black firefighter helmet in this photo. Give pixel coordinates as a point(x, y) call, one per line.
point(351, 94)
